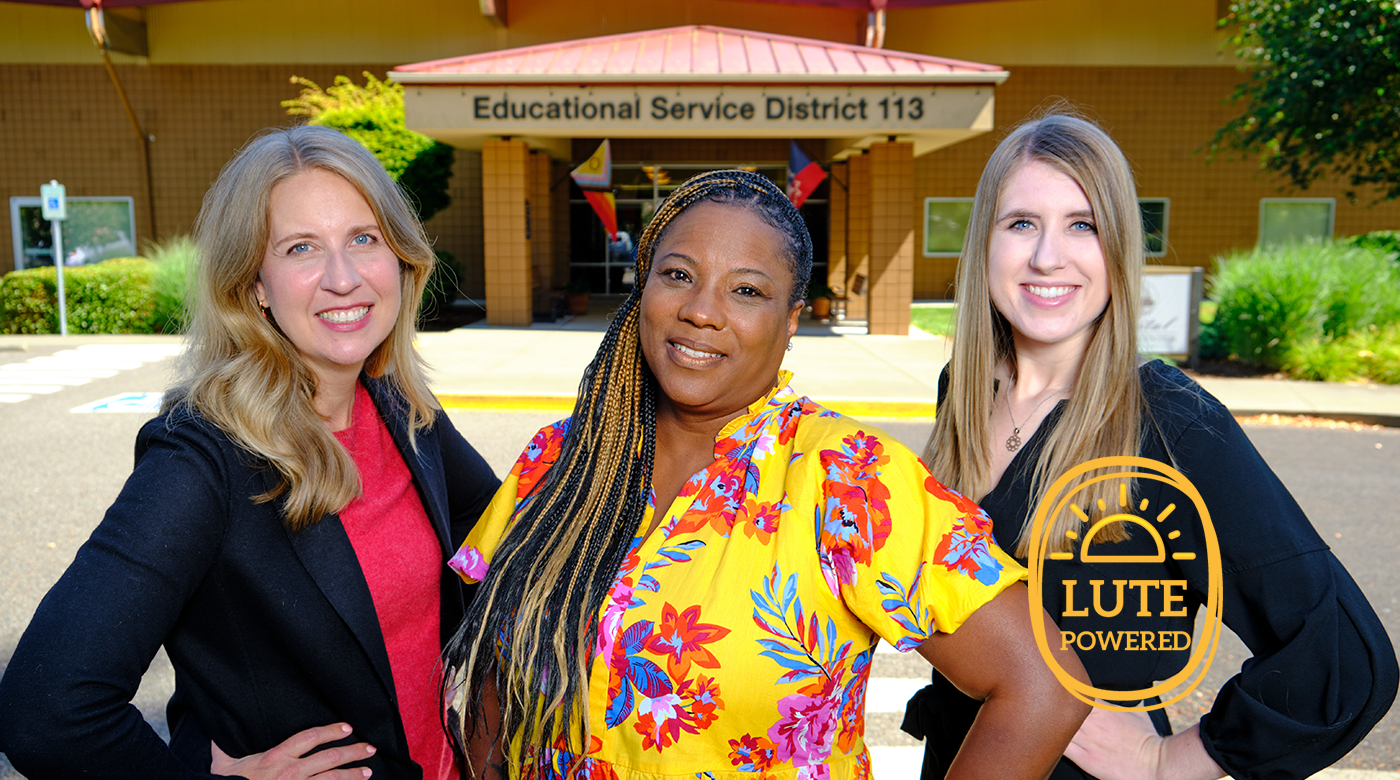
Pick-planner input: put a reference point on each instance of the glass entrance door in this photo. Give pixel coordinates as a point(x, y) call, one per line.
point(639, 188)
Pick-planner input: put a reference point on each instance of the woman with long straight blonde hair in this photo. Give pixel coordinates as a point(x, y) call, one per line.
point(285, 531)
point(1045, 378)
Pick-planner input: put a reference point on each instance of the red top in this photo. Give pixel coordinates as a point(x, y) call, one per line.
point(402, 563)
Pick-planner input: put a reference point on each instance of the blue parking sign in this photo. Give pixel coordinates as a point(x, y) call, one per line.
point(55, 200)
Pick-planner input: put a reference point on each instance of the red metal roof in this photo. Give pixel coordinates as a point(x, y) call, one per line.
point(697, 53)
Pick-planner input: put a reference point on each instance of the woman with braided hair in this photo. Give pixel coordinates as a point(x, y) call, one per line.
point(690, 575)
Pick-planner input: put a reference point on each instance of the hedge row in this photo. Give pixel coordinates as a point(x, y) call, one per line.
point(1277, 305)
point(114, 296)
point(136, 295)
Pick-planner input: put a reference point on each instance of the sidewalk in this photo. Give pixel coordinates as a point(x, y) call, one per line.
point(873, 377)
point(480, 368)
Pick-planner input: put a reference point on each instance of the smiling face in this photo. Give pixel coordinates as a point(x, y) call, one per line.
point(1045, 267)
point(715, 317)
point(328, 277)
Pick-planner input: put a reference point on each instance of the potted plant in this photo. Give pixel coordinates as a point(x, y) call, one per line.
point(819, 296)
point(577, 293)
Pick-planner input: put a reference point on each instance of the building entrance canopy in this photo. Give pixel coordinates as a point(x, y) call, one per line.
point(702, 82)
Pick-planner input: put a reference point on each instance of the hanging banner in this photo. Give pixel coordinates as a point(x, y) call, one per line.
point(803, 176)
point(594, 177)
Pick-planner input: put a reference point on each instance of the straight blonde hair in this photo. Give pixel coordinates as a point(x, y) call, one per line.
point(1104, 413)
point(241, 372)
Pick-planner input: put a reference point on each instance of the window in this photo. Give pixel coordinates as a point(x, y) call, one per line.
point(1154, 225)
point(97, 229)
point(1287, 220)
point(945, 223)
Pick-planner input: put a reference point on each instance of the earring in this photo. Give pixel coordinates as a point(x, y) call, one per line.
point(789, 346)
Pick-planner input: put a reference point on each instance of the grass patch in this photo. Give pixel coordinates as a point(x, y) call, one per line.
point(935, 320)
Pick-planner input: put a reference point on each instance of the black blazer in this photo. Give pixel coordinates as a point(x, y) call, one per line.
point(270, 631)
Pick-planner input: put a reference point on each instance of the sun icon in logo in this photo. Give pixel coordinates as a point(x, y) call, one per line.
point(1060, 499)
point(1122, 517)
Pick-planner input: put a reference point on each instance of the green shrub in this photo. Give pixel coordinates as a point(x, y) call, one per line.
point(374, 116)
point(1386, 241)
point(1370, 353)
point(174, 261)
point(442, 287)
point(113, 296)
point(1210, 344)
point(1271, 301)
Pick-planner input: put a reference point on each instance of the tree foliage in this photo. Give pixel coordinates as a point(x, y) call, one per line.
point(1323, 97)
point(374, 116)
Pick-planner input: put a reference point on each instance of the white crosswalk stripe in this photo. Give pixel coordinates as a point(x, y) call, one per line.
point(890, 694)
point(896, 763)
point(885, 700)
point(48, 374)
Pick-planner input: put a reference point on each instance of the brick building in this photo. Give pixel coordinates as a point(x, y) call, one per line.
point(215, 72)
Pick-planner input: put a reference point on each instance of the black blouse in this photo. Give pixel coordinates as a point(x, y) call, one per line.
point(1323, 671)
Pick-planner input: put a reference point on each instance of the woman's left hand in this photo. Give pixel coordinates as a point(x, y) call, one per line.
point(1113, 745)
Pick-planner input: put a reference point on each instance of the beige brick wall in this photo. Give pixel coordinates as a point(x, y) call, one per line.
point(505, 187)
point(66, 122)
point(457, 228)
point(891, 238)
point(1163, 117)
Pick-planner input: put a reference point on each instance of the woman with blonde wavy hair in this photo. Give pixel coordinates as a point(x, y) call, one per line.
point(1045, 376)
point(285, 531)
point(690, 575)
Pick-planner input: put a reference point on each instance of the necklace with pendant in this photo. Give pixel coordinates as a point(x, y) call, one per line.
point(1013, 442)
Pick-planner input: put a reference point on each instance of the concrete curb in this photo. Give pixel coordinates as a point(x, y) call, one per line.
point(912, 409)
point(1387, 420)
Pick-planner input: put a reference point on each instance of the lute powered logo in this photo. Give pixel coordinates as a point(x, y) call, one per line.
point(1132, 599)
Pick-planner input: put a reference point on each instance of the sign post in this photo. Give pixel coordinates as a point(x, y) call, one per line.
point(55, 209)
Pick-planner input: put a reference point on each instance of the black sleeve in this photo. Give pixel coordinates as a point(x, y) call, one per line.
point(68, 687)
point(1323, 671)
point(471, 484)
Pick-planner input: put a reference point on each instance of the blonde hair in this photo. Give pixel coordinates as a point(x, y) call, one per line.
point(556, 564)
point(240, 372)
point(1104, 412)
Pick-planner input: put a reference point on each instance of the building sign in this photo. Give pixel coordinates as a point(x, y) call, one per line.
point(756, 111)
point(1171, 302)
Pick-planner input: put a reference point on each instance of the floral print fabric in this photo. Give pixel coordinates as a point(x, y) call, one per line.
point(736, 640)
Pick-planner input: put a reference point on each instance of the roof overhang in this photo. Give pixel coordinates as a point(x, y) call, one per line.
point(990, 78)
point(700, 81)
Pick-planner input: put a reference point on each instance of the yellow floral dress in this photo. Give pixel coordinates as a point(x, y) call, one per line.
point(736, 641)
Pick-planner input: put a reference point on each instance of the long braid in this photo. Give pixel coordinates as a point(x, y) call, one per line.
point(555, 566)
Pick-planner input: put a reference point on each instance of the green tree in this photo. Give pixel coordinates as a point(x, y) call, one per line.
point(1323, 97)
point(374, 116)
